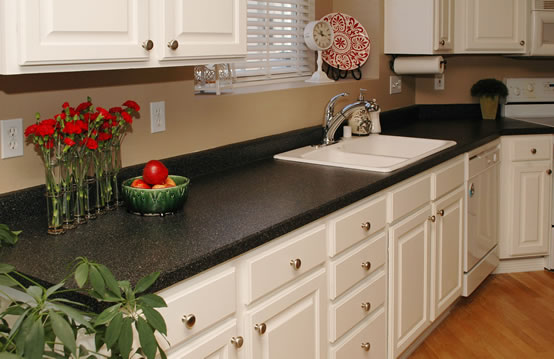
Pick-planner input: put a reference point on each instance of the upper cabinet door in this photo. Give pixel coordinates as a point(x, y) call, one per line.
point(203, 29)
point(70, 31)
point(495, 25)
point(444, 25)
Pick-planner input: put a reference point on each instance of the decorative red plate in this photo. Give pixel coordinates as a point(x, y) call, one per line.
point(350, 47)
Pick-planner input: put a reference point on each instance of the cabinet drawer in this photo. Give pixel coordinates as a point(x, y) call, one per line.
point(349, 311)
point(447, 178)
point(209, 300)
point(531, 148)
point(352, 226)
point(214, 344)
point(408, 197)
point(348, 270)
point(373, 332)
point(274, 267)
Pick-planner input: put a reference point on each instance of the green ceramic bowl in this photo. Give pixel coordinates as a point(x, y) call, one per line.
point(155, 202)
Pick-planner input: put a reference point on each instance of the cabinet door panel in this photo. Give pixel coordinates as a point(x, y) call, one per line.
point(495, 25)
point(216, 344)
point(447, 257)
point(532, 188)
point(208, 28)
point(444, 21)
point(410, 276)
point(69, 31)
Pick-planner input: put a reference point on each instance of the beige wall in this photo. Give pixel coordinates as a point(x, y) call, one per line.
point(193, 123)
point(463, 71)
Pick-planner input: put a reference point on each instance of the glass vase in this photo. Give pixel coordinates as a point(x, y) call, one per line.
point(116, 167)
point(108, 171)
point(100, 183)
point(68, 194)
point(54, 195)
point(81, 188)
point(90, 188)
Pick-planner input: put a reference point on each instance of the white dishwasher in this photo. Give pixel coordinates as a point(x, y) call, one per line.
point(481, 239)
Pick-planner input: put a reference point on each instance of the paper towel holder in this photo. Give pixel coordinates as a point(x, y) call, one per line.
point(391, 63)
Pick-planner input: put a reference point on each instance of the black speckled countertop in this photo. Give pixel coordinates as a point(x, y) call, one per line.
point(239, 199)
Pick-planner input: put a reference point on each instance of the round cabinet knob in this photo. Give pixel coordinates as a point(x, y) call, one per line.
point(366, 346)
point(296, 263)
point(533, 150)
point(366, 226)
point(260, 328)
point(148, 45)
point(366, 265)
point(522, 43)
point(441, 213)
point(442, 42)
point(189, 320)
point(366, 306)
point(173, 44)
point(432, 218)
point(549, 172)
point(237, 342)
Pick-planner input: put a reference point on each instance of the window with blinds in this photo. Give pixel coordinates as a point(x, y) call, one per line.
point(276, 46)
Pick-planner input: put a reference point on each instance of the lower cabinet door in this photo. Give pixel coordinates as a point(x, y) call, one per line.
point(220, 343)
point(410, 249)
point(446, 268)
point(292, 323)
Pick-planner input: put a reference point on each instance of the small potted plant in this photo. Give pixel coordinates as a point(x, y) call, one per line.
point(489, 91)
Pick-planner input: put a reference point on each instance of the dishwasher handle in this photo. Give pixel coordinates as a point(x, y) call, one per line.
point(471, 190)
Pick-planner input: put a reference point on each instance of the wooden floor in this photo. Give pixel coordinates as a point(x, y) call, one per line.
point(509, 316)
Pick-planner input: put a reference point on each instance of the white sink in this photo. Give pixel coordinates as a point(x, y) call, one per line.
point(379, 153)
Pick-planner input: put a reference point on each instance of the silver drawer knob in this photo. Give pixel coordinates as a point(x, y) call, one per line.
point(522, 42)
point(189, 320)
point(441, 213)
point(366, 346)
point(366, 265)
point(549, 172)
point(237, 341)
point(173, 44)
point(296, 263)
point(260, 328)
point(533, 150)
point(148, 45)
point(442, 42)
point(432, 218)
point(366, 226)
point(366, 306)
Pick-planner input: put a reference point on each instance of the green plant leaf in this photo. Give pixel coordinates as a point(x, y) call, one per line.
point(83, 351)
point(63, 331)
point(23, 333)
point(97, 281)
point(7, 281)
point(7, 236)
point(152, 300)
point(107, 315)
point(147, 340)
point(53, 289)
point(114, 329)
point(109, 279)
point(72, 313)
point(34, 341)
point(52, 354)
point(35, 292)
point(124, 284)
point(155, 319)
point(162, 353)
point(14, 310)
point(125, 338)
point(6, 268)
point(18, 323)
point(81, 274)
point(5, 355)
point(145, 283)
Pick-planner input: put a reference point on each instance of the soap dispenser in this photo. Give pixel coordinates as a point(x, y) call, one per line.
point(360, 121)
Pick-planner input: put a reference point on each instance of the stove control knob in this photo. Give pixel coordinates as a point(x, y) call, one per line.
point(517, 91)
point(531, 88)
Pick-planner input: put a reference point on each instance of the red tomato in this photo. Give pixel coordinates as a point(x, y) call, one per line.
point(154, 172)
point(138, 183)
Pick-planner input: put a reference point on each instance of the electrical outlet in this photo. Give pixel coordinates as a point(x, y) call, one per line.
point(12, 137)
point(157, 116)
point(395, 84)
point(439, 82)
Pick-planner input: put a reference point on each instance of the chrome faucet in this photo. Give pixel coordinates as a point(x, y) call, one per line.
point(334, 120)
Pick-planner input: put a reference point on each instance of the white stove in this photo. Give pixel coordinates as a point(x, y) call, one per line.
point(532, 100)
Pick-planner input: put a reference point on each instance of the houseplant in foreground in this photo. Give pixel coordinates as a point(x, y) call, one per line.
point(44, 324)
point(489, 91)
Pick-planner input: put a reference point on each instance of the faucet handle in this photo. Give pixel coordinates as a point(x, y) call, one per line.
point(361, 97)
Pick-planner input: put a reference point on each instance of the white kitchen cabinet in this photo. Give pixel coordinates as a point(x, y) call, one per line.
point(447, 251)
point(66, 35)
point(409, 279)
point(292, 323)
point(526, 185)
point(419, 27)
point(491, 26)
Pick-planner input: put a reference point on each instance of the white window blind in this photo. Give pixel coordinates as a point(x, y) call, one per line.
point(276, 46)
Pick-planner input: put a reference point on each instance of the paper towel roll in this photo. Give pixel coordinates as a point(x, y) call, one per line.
point(419, 65)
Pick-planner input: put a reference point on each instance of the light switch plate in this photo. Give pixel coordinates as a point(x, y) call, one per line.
point(12, 137)
point(439, 82)
point(157, 116)
point(395, 84)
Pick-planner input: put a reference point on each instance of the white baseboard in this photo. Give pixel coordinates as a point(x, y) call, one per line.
point(520, 265)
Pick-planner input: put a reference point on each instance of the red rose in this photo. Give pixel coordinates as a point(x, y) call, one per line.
point(91, 144)
point(103, 112)
point(132, 104)
point(65, 105)
point(72, 112)
point(49, 122)
point(60, 115)
point(83, 106)
point(103, 136)
point(45, 130)
point(31, 130)
point(82, 125)
point(127, 117)
point(94, 116)
point(49, 144)
point(115, 109)
point(68, 141)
